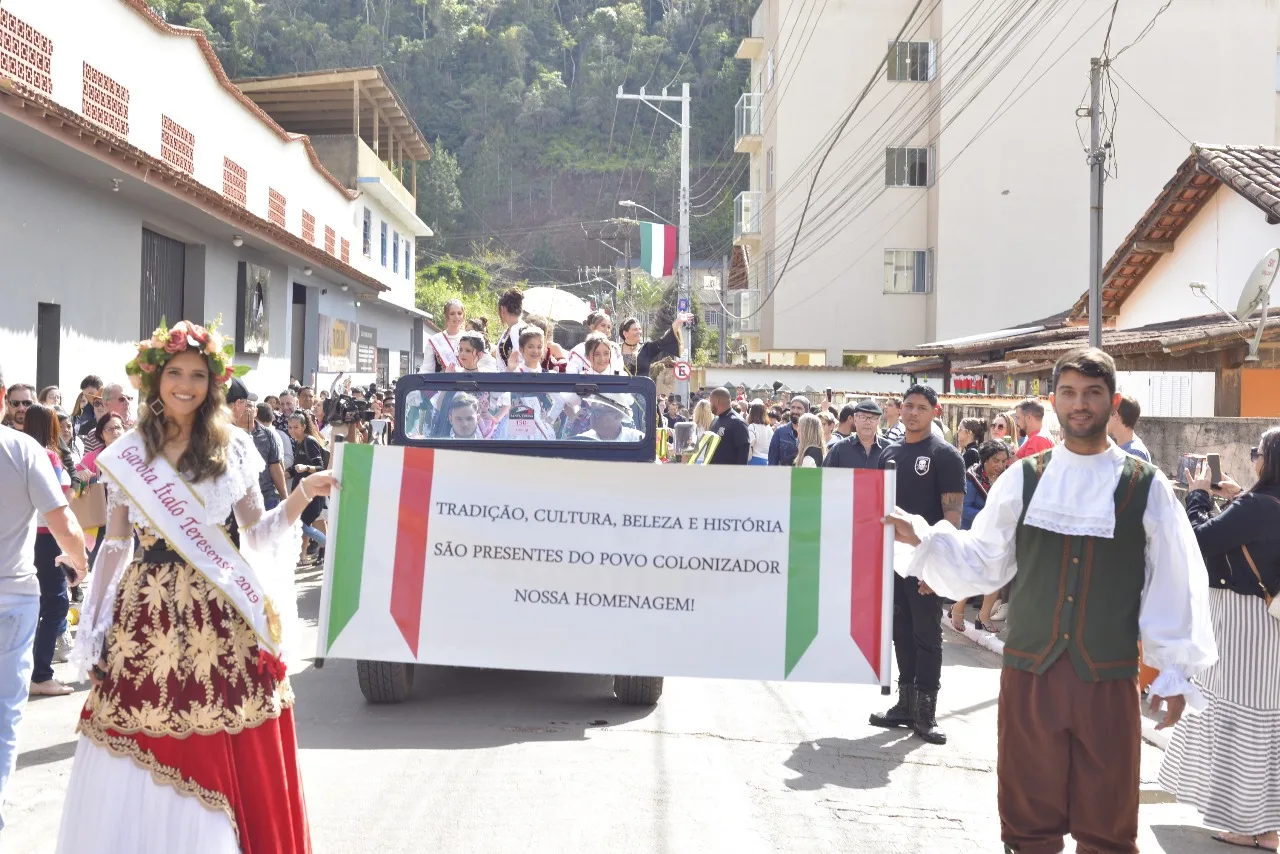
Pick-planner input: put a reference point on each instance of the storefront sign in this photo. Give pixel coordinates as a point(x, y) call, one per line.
point(652, 580)
point(367, 350)
point(337, 345)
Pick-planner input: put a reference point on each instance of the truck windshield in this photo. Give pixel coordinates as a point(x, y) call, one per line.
point(518, 412)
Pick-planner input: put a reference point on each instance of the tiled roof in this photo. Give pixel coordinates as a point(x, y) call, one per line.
point(1253, 171)
point(1188, 334)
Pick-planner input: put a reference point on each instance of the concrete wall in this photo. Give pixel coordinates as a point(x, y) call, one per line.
point(80, 246)
point(1169, 438)
point(1007, 216)
point(798, 378)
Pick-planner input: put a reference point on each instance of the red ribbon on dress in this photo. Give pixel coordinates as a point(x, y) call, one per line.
point(271, 664)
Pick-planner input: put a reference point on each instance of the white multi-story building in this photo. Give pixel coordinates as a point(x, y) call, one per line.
point(956, 200)
point(141, 183)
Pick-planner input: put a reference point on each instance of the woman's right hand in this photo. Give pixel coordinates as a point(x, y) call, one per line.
point(98, 672)
point(1227, 487)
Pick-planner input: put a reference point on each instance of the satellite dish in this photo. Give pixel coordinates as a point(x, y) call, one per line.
point(1257, 295)
point(1258, 286)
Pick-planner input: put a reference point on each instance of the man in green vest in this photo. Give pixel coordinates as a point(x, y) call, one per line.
point(1101, 556)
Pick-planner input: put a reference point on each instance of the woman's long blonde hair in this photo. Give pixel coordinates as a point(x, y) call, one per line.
point(206, 453)
point(702, 415)
point(1013, 433)
point(809, 435)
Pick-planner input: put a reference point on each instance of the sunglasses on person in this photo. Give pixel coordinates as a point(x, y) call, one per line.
point(1253, 455)
point(25, 404)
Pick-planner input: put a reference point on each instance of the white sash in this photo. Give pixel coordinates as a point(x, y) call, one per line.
point(169, 505)
point(446, 353)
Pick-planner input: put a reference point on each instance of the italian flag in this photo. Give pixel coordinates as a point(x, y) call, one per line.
point(658, 249)
point(819, 612)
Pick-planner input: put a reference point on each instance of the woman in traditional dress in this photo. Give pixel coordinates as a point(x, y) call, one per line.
point(187, 739)
point(442, 348)
point(1225, 761)
point(580, 362)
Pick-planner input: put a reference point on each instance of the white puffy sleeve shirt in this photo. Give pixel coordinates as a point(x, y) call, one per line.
point(1076, 496)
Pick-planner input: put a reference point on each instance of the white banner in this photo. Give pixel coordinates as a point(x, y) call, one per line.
point(483, 560)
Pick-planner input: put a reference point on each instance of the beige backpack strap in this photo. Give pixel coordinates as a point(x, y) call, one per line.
point(1248, 557)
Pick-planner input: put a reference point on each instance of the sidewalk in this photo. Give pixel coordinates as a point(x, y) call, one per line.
point(993, 642)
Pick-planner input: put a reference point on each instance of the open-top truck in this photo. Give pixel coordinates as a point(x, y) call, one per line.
point(566, 416)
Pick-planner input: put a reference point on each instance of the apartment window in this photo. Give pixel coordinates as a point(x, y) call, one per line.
point(908, 271)
point(395, 252)
point(367, 244)
point(911, 62)
point(908, 167)
point(407, 256)
point(768, 169)
point(384, 244)
point(768, 71)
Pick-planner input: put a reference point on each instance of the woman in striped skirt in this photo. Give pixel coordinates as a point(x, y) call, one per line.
point(1226, 760)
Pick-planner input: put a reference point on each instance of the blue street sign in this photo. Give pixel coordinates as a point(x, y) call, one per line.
point(682, 305)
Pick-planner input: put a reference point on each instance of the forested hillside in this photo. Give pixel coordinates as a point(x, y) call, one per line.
point(518, 99)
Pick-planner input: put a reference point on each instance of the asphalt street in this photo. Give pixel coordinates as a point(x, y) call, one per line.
point(494, 761)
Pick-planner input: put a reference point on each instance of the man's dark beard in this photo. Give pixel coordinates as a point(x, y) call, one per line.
point(1098, 428)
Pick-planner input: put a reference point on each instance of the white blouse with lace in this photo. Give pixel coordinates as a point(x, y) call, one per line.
point(268, 541)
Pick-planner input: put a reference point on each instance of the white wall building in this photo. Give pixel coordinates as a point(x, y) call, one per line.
point(140, 183)
point(957, 198)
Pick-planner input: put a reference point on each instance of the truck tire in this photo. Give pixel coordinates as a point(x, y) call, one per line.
point(637, 690)
point(385, 681)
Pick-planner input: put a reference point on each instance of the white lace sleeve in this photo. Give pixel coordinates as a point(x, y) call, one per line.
point(115, 553)
point(270, 543)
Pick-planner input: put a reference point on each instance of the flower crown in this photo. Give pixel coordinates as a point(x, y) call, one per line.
point(165, 343)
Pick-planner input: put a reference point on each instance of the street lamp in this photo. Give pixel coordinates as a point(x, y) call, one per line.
point(627, 203)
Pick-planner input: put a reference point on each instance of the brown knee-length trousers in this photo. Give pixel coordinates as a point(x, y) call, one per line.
point(1069, 755)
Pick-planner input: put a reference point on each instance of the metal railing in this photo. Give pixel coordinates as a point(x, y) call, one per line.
point(746, 213)
point(748, 115)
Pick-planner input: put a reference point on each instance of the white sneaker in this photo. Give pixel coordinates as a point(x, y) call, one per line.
point(1000, 612)
point(62, 648)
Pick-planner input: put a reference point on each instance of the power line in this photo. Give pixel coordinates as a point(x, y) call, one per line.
point(1145, 30)
point(867, 159)
point(998, 114)
point(1152, 106)
point(818, 171)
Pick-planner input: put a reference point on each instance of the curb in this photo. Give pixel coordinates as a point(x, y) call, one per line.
point(991, 643)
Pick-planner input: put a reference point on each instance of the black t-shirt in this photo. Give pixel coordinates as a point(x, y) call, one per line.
point(266, 445)
point(926, 471)
point(971, 457)
point(735, 440)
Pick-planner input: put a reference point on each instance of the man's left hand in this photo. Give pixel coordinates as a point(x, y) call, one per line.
point(1176, 706)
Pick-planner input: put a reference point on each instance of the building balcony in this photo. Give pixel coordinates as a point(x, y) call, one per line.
point(745, 303)
point(748, 123)
point(752, 47)
point(746, 217)
point(349, 159)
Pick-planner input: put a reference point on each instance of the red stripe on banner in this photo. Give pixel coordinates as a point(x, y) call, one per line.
point(669, 250)
point(410, 568)
point(868, 564)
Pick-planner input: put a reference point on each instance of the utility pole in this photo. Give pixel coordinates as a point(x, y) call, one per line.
point(724, 314)
point(1097, 175)
point(682, 237)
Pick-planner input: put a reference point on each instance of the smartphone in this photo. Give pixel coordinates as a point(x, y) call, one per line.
point(1215, 470)
point(830, 394)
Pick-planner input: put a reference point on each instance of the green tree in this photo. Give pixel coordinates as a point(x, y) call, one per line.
point(439, 199)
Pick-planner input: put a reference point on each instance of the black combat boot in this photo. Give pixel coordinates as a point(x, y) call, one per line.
point(926, 721)
point(903, 712)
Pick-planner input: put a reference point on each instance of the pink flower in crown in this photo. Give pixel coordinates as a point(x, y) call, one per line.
point(213, 345)
point(155, 343)
point(147, 368)
point(227, 374)
point(177, 341)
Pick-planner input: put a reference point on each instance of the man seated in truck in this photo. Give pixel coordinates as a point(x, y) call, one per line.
point(464, 417)
point(608, 412)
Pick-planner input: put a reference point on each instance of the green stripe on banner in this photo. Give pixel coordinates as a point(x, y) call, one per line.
point(348, 557)
point(803, 555)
